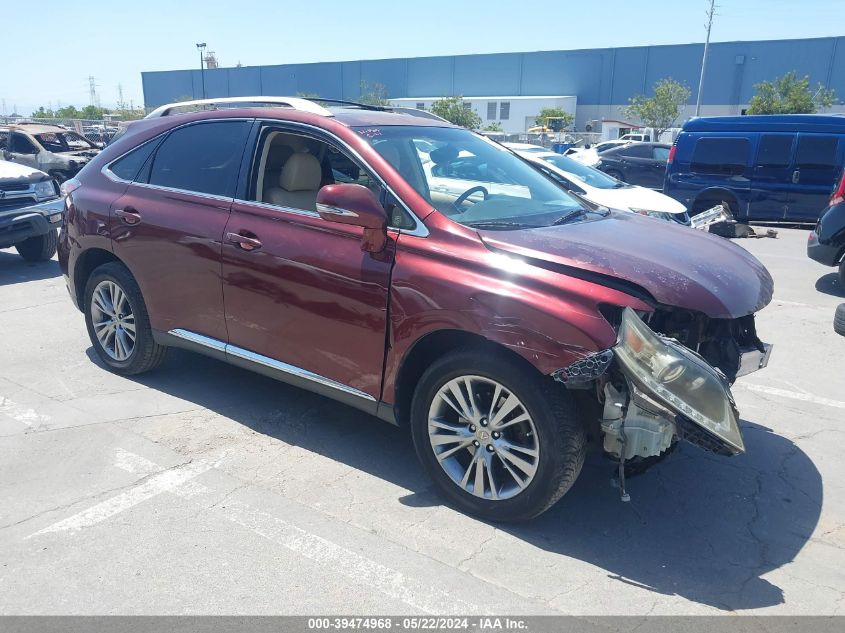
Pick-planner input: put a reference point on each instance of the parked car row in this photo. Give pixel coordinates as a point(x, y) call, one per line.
point(59, 152)
point(30, 211)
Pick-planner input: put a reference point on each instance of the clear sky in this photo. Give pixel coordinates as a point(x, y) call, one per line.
point(50, 59)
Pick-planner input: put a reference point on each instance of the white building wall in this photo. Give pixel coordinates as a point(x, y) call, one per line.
point(519, 111)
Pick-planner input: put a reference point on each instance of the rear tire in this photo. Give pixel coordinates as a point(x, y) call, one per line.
point(39, 248)
point(839, 319)
point(533, 458)
point(842, 275)
point(118, 323)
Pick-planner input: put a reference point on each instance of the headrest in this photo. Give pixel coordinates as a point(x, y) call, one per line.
point(301, 173)
point(444, 154)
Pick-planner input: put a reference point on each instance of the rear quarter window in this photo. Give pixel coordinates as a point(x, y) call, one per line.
point(720, 156)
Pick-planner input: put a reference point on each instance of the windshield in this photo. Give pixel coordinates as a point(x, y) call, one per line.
point(63, 142)
point(582, 172)
point(471, 179)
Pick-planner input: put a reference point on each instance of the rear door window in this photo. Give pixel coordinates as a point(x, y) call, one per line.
point(816, 152)
point(636, 151)
point(661, 153)
point(202, 158)
point(722, 156)
point(775, 150)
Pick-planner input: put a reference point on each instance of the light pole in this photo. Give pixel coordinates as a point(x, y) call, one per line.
point(201, 49)
point(710, 14)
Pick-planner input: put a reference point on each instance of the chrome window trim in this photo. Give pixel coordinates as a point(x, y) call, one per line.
point(199, 194)
point(420, 230)
point(266, 361)
point(275, 207)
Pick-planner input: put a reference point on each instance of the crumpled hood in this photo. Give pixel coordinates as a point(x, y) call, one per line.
point(676, 265)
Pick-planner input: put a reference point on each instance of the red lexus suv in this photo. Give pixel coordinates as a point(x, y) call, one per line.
point(422, 273)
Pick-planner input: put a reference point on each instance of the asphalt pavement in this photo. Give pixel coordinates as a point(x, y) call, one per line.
point(202, 488)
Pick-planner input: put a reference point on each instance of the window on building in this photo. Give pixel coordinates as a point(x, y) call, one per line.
point(467, 105)
point(491, 110)
point(775, 150)
point(505, 110)
point(420, 105)
point(720, 156)
point(204, 158)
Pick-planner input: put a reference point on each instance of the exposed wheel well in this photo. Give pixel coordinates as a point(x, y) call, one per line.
point(85, 265)
point(427, 350)
point(712, 197)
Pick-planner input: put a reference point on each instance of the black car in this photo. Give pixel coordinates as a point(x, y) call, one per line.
point(637, 163)
point(826, 243)
point(30, 211)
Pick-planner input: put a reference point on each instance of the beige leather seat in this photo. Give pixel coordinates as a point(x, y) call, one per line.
point(276, 159)
point(298, 183)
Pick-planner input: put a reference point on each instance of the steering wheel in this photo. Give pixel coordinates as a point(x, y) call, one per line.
point(466, 194)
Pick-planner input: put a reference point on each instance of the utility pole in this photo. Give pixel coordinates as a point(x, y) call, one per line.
point(92, 90)
point(201, 49)
point(710, 15)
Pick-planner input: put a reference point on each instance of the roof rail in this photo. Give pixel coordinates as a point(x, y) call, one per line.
point(297, 103)
point(423, 114)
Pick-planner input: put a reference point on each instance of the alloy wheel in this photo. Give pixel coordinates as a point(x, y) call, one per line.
point(113, 320)
point(483, 437)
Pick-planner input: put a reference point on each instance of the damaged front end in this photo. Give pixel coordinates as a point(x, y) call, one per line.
point(656, 390)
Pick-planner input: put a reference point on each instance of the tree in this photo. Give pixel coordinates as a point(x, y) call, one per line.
point(454, 110)
point(375, 94)
point(304, 94)
point(554, 113)
point(495, 126)
point(661, 110)
point(790, 95)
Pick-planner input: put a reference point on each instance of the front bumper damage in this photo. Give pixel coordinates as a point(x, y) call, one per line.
point(656, 392)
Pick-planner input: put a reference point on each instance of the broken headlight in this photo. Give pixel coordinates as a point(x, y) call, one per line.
point(679, 378)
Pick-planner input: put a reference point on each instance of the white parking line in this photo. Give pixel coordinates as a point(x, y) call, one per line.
point(132, 463)
point(346, 562)
point(794, 395)
point(358, 568)
point(165, 481)
point(20, 413)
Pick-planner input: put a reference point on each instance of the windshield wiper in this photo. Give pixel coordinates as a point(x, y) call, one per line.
point(568, 216)
point(500, 224)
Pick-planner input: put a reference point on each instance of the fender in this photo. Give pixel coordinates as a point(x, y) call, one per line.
point(548, 318)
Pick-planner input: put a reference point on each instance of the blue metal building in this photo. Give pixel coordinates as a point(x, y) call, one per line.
point(601, 79)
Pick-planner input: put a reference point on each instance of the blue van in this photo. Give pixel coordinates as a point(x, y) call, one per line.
point(771, 167)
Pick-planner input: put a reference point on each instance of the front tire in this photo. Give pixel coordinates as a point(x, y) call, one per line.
point(39, 248)
point(118, 323)
point(499, 441)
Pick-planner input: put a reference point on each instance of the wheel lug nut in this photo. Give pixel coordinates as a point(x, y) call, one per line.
point(472, 428)
point(483, 421)
point(476, 443)
point(496, 435)
point(489, 448)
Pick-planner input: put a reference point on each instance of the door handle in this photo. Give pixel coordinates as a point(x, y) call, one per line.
point(128, 216)
point(243, 242)
point(796, 176)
